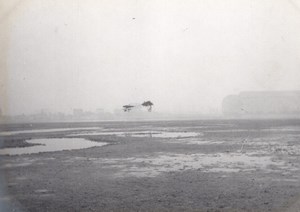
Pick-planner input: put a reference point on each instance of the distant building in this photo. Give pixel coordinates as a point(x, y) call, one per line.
point(78, 112)
point(262, 103)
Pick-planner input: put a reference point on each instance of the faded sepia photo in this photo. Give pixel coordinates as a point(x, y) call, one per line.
point(149, 105)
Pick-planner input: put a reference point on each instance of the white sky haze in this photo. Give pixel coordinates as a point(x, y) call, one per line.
point(184, 56)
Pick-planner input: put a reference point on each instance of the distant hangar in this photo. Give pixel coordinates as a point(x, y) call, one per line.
point(262, 103)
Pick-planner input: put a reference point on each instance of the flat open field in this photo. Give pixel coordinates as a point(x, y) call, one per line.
point(208, 165)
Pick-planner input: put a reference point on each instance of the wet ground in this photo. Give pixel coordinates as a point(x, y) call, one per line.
point(213, 165)
point(40, 145)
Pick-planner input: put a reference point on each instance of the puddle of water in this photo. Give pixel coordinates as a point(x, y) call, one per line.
point(197, 142)
point(285, 180)
point(96, 133)
point(6, 133)
point(278, 129)
point(51, 145)
point(151, 134)
point(166, 134)
point(284, 129)
point(41, 191)
point(224, 170)
point(9, 165)
point(21, 178)
point(164, 162)
point(230, 130)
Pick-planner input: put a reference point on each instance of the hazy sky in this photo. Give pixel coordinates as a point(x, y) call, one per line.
point(184, 56)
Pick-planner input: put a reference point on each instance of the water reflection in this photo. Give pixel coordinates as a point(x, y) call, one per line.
point(151, 134)
point(5, 133)
point(51, 145)
point(162, 162)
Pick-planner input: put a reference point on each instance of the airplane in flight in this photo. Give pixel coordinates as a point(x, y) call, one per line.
point(127, 108)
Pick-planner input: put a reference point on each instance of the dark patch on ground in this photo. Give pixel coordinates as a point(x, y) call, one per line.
point(12, 143)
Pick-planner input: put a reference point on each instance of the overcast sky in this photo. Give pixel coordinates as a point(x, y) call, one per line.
point(184, 56)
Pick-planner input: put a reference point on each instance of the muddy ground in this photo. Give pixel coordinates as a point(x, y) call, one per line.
point(228, 165)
